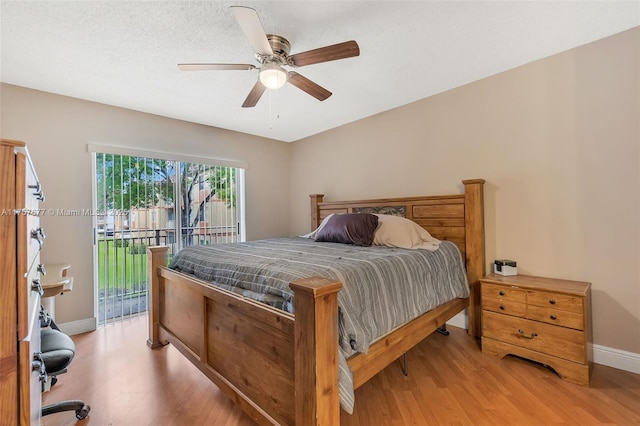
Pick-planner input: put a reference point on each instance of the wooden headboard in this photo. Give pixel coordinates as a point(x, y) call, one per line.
point(458, 218)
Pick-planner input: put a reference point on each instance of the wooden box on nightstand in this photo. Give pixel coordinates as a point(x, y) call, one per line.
point(542, 319)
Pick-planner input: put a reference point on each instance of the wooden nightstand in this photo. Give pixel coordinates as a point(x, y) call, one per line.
point(542, 319)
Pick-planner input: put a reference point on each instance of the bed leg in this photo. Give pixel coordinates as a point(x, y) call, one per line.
point(317, 399)
point(405, 367)
point(156, 256)
point(443, 329)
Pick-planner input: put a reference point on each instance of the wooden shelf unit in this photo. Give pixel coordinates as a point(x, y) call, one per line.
point(20, 289)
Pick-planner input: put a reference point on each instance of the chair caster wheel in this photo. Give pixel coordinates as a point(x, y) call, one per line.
point(83, 412)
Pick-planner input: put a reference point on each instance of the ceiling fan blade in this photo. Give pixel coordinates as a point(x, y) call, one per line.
point(306, 85)
point(334, 52)
point(208, 67)
point(250, 24)
point(254, 95)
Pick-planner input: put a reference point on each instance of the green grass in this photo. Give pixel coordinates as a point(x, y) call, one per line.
point(120, 268)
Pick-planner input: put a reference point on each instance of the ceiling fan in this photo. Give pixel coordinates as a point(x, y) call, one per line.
point(272, 52)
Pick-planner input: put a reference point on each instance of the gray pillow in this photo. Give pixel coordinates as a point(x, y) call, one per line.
point(349, 228)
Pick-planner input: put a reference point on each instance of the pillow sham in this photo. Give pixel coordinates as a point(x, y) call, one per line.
point(349, 228)
point(396, 231)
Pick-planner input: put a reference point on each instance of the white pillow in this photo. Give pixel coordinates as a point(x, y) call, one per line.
point(396, 231)
point(313, 234)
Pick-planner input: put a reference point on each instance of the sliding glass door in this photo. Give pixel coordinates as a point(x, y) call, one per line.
point(141, 202)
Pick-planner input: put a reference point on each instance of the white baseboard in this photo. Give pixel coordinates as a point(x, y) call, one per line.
point(461, 320)
point(604, 355)
point(78, 327)
point(616, 358)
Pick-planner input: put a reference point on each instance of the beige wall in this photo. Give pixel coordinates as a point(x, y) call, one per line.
point(557, 141)
point(57, 130)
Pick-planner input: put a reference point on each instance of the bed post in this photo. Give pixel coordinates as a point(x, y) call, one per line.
point(474, 248)
point(317, 399)
point(315, 214)
point(156, 256)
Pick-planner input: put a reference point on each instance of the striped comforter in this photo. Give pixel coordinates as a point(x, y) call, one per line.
point(383, 287)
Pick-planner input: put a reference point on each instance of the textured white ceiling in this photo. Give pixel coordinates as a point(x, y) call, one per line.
point(125, 53)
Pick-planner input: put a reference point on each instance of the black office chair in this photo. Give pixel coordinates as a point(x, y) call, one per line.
point(57, 352)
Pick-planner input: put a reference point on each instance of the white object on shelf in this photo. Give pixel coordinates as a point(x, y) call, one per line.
point(505, 267)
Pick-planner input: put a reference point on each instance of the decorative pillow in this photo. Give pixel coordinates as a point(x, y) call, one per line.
point(396, 231)
point(349, 228)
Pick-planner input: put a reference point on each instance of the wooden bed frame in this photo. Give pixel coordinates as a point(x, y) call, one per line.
point(281, 368)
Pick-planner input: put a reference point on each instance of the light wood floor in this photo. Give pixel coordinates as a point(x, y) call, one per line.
point(449, 382)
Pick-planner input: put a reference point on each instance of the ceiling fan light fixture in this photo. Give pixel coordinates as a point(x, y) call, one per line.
point(273, 76)
point(272, 52)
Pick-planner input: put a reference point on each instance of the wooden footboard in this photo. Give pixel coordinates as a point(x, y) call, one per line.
point(279, 371)
point(283, 369)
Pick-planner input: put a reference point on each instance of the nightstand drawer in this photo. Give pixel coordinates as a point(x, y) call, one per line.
point(564, 302)
point(561, 342)
point(555, 316)
point(503, 293)
point(504, 307)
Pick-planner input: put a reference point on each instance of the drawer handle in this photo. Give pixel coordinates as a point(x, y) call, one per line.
point(36, 286)
point(38, 235)
point(531, 336)
point(42, 269)
point(553, 317)
point(552, 301)
point(501, 293)
point(502, 307)
point(37, 191)
point(38, 365)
